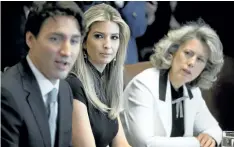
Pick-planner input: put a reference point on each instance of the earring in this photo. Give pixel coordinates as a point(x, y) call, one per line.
point(114, 61)
point(170, 56)
point(85, 56)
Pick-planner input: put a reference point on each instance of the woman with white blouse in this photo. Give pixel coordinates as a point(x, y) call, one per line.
point(164, 105)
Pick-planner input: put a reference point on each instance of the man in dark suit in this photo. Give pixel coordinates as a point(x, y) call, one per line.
point(36, 104)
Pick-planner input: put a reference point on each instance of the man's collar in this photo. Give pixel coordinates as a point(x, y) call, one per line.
point(45, 85)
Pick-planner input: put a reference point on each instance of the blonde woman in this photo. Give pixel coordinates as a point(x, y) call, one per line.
point(164, 106)
point(97, 80)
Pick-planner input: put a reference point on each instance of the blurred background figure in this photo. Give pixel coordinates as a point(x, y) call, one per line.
point(164, 20)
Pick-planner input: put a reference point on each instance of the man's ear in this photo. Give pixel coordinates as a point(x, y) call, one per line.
point(30, 38)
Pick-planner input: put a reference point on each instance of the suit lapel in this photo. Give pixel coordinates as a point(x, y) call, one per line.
point(188, 112)
point(63, 114)
point(165, 108)
point(35, 101)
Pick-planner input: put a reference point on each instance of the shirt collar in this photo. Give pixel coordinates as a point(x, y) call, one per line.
point(176, 94)
point(44, 84)
point(96, 72)
point(163, 80)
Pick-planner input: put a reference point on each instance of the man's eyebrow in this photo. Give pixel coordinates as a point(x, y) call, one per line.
point(62, 35)
point(57, 34)
point(76, 36)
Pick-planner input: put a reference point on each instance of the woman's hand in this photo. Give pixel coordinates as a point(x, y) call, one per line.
point(206, 140)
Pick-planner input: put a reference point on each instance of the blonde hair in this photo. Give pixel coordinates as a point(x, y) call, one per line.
point(198, 30)
point(97, 13)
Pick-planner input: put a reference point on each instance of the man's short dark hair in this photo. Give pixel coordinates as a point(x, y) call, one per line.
point(40, 11)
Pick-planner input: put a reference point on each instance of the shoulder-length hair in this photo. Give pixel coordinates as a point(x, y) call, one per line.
point(162, 58)
point(97, 13)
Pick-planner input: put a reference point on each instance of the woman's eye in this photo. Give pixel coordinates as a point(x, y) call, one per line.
point(115, 37)
point(201, 60)
point(98, 36)
point(188, 53)
point(53, 39)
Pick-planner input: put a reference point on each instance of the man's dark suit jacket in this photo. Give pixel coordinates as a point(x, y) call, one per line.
point(23, 113)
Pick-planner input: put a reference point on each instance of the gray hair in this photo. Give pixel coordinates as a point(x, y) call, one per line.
point(162, 58)
point(97, 13)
